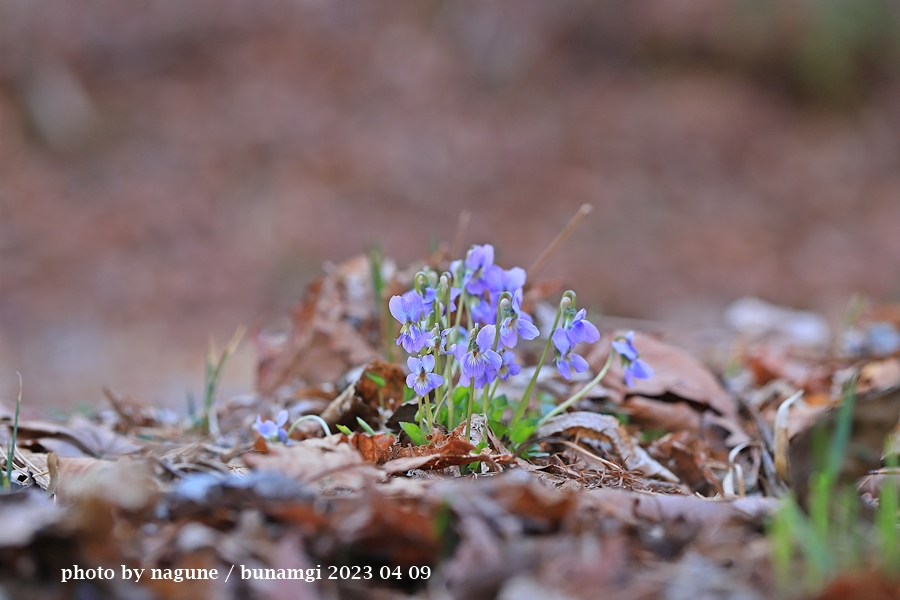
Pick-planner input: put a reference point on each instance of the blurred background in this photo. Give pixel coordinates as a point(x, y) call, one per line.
point(170, 170)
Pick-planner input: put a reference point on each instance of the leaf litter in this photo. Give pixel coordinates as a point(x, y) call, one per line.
point(660, 489)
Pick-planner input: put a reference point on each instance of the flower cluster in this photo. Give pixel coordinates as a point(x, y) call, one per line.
point(429, 315)
point(463, 326)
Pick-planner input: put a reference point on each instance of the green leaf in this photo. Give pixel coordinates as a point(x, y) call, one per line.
point(498, 427)
point(379, 380)
point(522, 430)
point(344, 430)
point(414, 433)
point(366, 427)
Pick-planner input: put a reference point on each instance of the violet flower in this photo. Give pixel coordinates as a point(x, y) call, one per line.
point(516, 323)
point(408, 309)
point(509, 366)
point(567, 360)
point(421, 379)
point(635, 368)
point(581, 330)
point(273, 431)
point(473, 363)
point(479, 263)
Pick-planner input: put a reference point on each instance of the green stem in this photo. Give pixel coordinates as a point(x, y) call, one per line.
point(578, 396)
point(421, 418)
point(504, 296)
point(12, 441)
point(471, 406)
point(523, 403)
point(315, 418)
point(484, 400)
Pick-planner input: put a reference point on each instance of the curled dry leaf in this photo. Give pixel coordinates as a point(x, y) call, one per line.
point(608, 429)
point(440, 452)
point(678, 375)
point(80, 437)
point(633, 507)
point(345, 409)
point(390, 395)
point(658, 414)
point(331, 462)
point(328, 334)
point(126, 483)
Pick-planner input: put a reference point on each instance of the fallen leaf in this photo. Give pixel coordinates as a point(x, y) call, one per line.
point(677, 373)
point(608, 429)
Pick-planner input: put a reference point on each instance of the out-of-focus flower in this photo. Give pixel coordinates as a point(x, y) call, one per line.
point(272, 431)
point(407, 309)
point(479, 265)
point(421, 379)
point(635, 368)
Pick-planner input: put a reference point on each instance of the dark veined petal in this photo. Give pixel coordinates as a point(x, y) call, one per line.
point(492, 358)
point(434, 380)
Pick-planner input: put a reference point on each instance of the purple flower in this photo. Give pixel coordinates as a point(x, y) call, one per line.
point(625, 347)
point(273, 430)
point(567, 360)
point(509, 367)
point(635, 368)
point(474, 362)
point(484, 312)
point(581, 330)
point(509, 280)
point(516, 323)
point(408, 309)
point(422, 380)
point(479, 271)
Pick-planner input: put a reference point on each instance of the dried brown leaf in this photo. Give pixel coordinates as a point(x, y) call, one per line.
point(676, 373)
point(608, 429)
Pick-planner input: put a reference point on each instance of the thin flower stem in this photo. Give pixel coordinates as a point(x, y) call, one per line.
point(523, 403)
point(493, 390)
point(421, 418)
point(469, 411)
point(580, 394)
point(315, 418)
point(484, 399)
point(504, 296)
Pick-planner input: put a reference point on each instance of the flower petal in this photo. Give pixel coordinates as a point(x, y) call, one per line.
point(395, 304)
point(428, 363)
point(563, 368)
point(527, 329)
point(578, 363)
point(561, 340)
point(485, 338)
